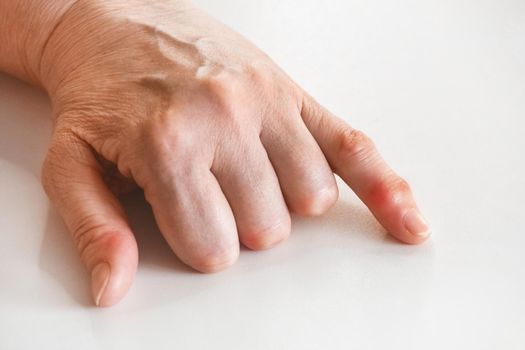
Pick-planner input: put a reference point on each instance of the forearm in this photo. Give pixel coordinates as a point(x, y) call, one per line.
point(25, 27)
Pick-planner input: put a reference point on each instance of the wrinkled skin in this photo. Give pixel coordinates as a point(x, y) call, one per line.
point(158, 94)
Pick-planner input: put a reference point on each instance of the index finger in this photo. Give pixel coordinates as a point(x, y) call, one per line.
point(354, 157)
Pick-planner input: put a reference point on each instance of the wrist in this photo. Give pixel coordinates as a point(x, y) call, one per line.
point(97, 40)
point(25, 28)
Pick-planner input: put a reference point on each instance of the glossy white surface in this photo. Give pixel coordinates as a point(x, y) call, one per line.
point(440, 86)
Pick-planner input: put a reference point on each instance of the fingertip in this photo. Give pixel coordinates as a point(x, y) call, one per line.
point(113, 275)
point(269, 237)
point(215, 260)
point(413, 229)
point(109, 285)
point(391, 201)
point(317, 204)
point(416, 224)
point(410, 239)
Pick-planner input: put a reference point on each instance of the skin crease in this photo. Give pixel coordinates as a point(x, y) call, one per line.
point(224, 144)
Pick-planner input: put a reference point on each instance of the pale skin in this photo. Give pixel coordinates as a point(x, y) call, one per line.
point(160, 95)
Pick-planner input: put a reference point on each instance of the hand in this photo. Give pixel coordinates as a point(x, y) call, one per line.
point(224, 143)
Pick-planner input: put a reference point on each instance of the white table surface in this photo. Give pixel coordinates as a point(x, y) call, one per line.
point(440, 86)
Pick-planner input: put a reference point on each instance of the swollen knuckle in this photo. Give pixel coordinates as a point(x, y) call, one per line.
point(354, 145)
point(87, 230)
point(312, 112)
point(162, 139)
point(401, 185)
point(108, 240)
point(91, 233)
point(221, 92)
point(260, 75)
point(391, 191)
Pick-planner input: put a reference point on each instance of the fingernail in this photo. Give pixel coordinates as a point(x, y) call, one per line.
point(99, 281)
point(415, 223)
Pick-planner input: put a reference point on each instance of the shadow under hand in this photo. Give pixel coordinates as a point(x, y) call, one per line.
point(342, 242)
point(59, 257)
point(60, 260)
point(25, 121)
point(26, 125)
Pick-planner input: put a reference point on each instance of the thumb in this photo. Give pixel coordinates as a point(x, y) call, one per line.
point(72, 178)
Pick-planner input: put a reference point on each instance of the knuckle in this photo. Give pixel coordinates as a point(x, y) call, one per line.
point(85, 232)
point(401, 185)
point(391, 191)
point(220, 91)
point(89, 232)
point(260, 75)
point(265, 238)
point(355, 146)
point(311, 111)
point(162, 139)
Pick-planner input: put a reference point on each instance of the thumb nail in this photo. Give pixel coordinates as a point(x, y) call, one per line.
point(99, 281)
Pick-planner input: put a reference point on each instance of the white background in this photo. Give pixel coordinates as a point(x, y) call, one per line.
point(439, 85)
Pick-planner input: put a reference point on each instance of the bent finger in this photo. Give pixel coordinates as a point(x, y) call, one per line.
point(354, 157)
